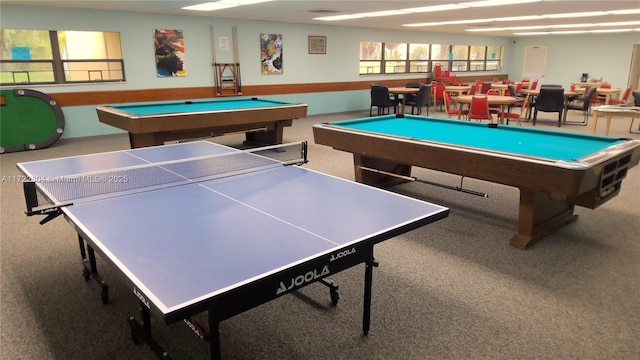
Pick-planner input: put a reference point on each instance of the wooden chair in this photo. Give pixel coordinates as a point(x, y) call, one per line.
point(479, 109)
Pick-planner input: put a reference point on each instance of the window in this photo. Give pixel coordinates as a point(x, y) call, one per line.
point(60, 57)
point(370, 58)
point(396, 58)
point(418, 58)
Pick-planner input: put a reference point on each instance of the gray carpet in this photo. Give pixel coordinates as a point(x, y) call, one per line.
point(451, 290)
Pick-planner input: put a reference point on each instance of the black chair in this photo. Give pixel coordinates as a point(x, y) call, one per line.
point(551, 99)
point(412, 97)
point(421, 100)
point(584, 105)
point(380, 98)
point(636, 102)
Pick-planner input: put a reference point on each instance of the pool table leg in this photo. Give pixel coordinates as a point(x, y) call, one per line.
point(540, 214)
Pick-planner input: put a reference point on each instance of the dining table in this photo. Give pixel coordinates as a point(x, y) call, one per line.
point(456, 90)
point(500, 100)
point(500, 86)
point(608, 111)
point(404, 91)
point(606, 92)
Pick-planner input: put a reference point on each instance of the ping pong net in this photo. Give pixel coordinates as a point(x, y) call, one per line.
point(48, 195)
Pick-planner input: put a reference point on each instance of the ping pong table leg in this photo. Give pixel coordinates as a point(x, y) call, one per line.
point(214, 337)
point(141, 332)
point(368, 283)
point(91, 269)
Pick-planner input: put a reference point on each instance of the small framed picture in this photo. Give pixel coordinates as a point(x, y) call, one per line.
point(317, 44)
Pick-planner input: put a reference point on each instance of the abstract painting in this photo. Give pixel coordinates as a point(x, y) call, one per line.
point(170, 58)
point(271, 48)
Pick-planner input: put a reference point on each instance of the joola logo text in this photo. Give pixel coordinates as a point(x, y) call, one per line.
point(302, 279)
point(343, 254)
point(141, 297)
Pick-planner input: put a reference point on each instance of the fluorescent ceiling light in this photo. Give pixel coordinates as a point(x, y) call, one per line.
point(485, 29)
point(533, 33)
point(568, 32)
point(519, 18)
point(425, 24)
point(496, 2)
point(532, 27)
point(562, 26)
point(624, 12)
point(577, 14)
point(339, 17)
point(381, 13)
point(619, 23)
point(209, 6)
point(471, 21)
point(610, 30)
point(222, 4)
point(435, 8)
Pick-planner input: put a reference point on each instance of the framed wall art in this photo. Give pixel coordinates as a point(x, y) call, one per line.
point(317, 44)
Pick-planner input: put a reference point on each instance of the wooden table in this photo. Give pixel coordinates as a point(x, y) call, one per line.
point(501, 100)
point(403, 91)
point(611, 110)
point(456, 90)
point(586, 84)
point(501, 87)
point(607, 92)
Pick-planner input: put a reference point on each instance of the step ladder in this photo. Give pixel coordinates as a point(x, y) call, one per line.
point(228, 79)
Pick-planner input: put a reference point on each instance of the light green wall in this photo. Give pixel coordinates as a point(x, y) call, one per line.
point(338, 65)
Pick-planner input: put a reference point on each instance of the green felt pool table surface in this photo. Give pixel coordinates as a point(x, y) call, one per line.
point(196, 106)
point(155, 123)
point(554, 170)
point(541, 143)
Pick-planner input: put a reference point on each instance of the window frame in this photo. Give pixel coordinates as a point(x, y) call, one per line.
point(60, 68)
point(467, 65)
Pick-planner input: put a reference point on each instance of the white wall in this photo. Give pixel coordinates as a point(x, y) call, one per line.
point(569, 56)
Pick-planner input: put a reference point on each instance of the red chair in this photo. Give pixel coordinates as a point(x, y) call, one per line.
point(449, 110)
point(534, 85)
point(484, 87)
point(473, 90)
point(623, 99)
point(494, 109)
point(517, 116)
point(479, 109)
point(595, 99)
point(518, 89)
point(439, 94)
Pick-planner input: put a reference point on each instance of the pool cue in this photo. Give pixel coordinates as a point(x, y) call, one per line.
point(213, 56)
point(236, 60)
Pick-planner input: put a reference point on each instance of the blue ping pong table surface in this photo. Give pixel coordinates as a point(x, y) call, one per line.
point(184, 244)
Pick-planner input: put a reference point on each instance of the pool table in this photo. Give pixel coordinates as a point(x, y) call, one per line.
point(555, 171)
point(152, 124)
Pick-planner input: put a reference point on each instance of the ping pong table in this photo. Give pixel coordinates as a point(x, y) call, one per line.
point(199, 227)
